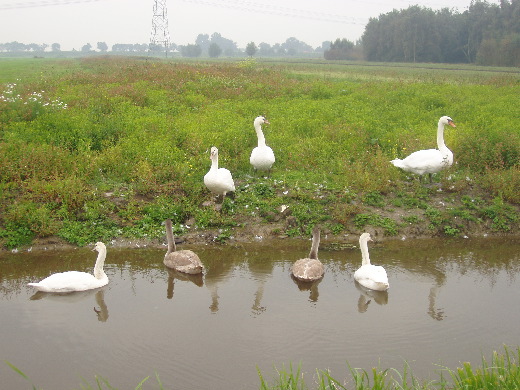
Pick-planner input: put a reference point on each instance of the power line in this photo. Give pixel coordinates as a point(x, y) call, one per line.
point(245, 5)
point(43, 3)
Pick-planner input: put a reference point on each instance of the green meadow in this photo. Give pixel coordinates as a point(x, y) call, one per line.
point(98, 148)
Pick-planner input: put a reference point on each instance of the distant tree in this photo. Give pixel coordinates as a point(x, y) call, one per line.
point(251, 49)
point(325, 45)
point(33, 47)
point(214, 50)
point(102, 46)
point(86, 48)
point(191, 50)
point(204, 42)
point(56, 47)
point(485, 33)
point(293, 46)
point(227, 45)
point(265, 49)
point(341, 49)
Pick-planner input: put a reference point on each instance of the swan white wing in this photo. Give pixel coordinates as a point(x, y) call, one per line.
point(219, 181)
point(69, 281)
point(262, 158)
point(424, 161)
point(224, 176)
point(372, 276)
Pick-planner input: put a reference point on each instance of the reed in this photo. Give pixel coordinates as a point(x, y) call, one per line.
point(503, 372)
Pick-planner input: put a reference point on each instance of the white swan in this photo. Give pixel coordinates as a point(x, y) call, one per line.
point(184, 260)
point(218, 180)
point(310, 268)
point(429, 160)
point(370, 276)
point(262, 156)
point(74, 280)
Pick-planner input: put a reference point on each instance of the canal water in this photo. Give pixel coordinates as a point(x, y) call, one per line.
point(450, 301)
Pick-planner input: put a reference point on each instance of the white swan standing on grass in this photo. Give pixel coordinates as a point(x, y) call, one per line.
point(69, 281)
point(262, 156)
point(310, 268)
point(185, 261)
point(370, 276)
point(429, 160)
point(218, 180)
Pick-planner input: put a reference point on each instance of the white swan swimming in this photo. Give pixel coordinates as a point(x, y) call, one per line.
point(218, 180)
point(310, 268)
point(74, 280)
point(185, 261)
point(429, 160)
point(262, 156)
point(370, 276)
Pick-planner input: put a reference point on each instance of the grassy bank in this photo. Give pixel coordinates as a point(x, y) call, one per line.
point(98, 148)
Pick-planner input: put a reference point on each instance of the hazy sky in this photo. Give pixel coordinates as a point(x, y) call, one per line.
point(74, 23)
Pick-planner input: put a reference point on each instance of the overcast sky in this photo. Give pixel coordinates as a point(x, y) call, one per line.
point(74, 23)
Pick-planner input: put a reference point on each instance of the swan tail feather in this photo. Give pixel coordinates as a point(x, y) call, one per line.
point(397, 163)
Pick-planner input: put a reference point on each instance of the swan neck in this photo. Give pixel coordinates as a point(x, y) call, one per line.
point(365, 258)
point(100, 262)
point(214, 163)
point(169, 237)
point(260, 135)
point(440, 136)
point(313, 254)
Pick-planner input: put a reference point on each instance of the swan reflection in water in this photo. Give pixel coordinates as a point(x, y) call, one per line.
point(77, 296)
point(367, 295)
point(173, 274)
point(311, 286)
point(433, 311)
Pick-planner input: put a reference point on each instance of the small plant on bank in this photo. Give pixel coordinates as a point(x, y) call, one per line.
point(388, 224)
point(502, 215)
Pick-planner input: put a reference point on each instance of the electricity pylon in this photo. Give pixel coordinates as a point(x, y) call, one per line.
point(160, 34)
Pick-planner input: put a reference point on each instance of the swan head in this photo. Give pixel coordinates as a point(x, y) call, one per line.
point(365, 237)
point(213, 153)
point(260, 120)
point(446, 120)
point(99, 247)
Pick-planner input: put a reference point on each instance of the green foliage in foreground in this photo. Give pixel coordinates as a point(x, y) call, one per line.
point(97, 148)
point(503, 372)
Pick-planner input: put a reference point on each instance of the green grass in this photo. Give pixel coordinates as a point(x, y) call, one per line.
point(122, 143)
point(502, 372)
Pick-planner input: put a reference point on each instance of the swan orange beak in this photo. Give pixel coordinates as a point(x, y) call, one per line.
point(451, 124)
point(266, 122)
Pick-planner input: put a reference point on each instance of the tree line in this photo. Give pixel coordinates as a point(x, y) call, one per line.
point(486, 34)
point(214, 45)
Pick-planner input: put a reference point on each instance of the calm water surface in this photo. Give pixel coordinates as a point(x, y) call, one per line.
point(449, 302)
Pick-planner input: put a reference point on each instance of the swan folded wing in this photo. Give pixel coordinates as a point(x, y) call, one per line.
point(262, 158)
point(307, 269)
point(423, 161)
point(184, 261)
point(69, 281)
point(372, 276)
point(219, 182)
